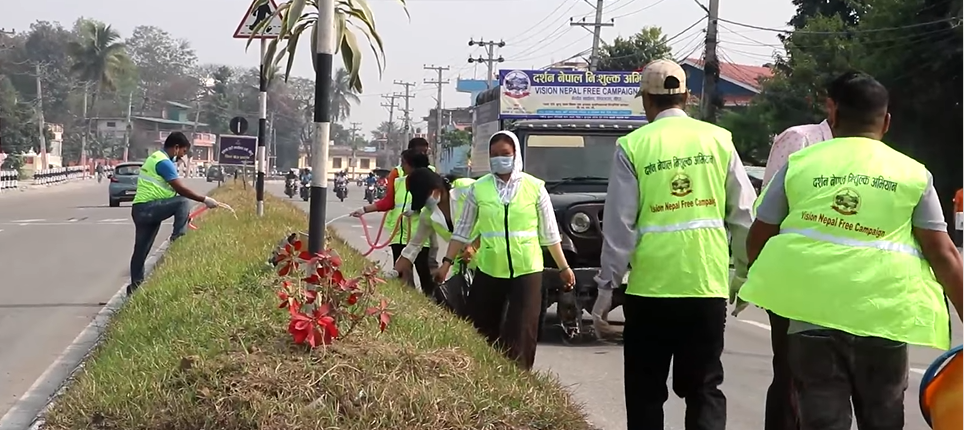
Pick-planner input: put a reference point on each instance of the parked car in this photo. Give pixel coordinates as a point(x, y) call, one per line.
point(215, 174)
point(124, 183)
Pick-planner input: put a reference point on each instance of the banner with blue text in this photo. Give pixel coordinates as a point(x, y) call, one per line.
point(559, 94)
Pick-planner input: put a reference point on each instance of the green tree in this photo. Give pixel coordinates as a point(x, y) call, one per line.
point(18, 127)
point(342, 97)
point(351, 16)
point(165, 67)
point(98, 57)
point(455, 138)
point(915, 48)
point(636, 51)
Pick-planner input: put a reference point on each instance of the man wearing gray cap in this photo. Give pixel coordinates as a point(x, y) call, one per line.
point(676, 192)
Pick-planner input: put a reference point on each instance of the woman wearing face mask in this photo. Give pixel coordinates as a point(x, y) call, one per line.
point(438, 202)
point(511, 212)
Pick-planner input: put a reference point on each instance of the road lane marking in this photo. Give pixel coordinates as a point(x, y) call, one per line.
point(916, 370)
point(114, 220)
point(17, 221)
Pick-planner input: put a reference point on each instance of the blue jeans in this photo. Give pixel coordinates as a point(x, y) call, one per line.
point(147, 218)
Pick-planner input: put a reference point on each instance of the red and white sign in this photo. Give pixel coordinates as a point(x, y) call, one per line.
point(255, 16)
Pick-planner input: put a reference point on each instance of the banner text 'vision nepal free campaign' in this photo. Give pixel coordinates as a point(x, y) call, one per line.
point(556, 94)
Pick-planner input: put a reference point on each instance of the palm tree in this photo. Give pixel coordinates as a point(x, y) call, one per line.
point(99, 57)
point(342, 97)
point(296, 21)
point(99, 60)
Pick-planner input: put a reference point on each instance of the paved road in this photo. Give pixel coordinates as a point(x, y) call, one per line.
point(594, 372)
point(63, 254)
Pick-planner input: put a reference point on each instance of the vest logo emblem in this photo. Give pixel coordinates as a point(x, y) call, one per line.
point(846, 202)
point(681, 185)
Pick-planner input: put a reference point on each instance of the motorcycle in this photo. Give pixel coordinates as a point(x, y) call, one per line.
point(304, 191)
point(341, 190)
point(290, 188)
point(370, 193)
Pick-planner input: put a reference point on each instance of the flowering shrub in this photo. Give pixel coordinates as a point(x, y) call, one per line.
point(323, 304)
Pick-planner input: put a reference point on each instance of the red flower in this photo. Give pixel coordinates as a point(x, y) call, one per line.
point(303, 330)
point(352, 299)
point(290, 257)
point(311, 296)
point(326, 324)
point(382, 314)
point(324, 274)
point(284, 297)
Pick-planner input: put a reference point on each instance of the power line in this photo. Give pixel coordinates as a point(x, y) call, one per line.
point(490, 60)
point(857, 31)
point(597, 25)
point(640, 10)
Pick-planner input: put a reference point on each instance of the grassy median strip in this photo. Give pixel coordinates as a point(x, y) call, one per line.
point(203, 346)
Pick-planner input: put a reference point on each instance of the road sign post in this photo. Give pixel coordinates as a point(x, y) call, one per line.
point(252, 22)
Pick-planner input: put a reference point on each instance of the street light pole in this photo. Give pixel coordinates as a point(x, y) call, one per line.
point(325, 45)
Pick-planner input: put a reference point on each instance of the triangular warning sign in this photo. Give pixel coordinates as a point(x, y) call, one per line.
point(254, 17)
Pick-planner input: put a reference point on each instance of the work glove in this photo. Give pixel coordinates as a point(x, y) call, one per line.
point(599, 314)
point(211, 203)
point(734, 286)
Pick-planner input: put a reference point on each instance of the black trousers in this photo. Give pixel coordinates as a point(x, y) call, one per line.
point(781, 401)
point(506, 312)
point(831, 368)
point(422, 266)
point(688, 331)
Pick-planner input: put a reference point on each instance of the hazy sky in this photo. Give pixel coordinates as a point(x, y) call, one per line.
point(536, 31)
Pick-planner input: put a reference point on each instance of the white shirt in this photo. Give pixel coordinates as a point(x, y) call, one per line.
point(792, 140)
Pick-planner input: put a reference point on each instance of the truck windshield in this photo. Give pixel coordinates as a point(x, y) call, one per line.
point(554, 157)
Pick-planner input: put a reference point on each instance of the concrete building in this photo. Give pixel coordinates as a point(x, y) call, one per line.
point(148, 133)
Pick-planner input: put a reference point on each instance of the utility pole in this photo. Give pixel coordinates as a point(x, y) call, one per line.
point(406, 111)
point(490, 60)
point(439, 82)
point(391, 107)
point(40, 119)
point(321, 115)
point(128, 129)
point(711, 84)
point(597, 24)
point(194, 134)
point(273, 157)
point(87, 128)
point(260, 148)
point(352, 145)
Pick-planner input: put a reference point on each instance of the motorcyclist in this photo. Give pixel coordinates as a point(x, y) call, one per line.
point(306, 176)
point(371, 179)
point(290, 180)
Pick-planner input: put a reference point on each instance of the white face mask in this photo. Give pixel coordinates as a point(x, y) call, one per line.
point(502, 165)
point(432, 202)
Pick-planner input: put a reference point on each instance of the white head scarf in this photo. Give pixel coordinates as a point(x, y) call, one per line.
point(518, 163)
point(506, 192)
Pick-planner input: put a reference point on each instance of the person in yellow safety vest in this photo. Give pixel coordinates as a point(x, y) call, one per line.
point(512, 214)
point(160, 195)
point(850, 244)
point(439, 205)
point(677, 190)
point(400, 219)
point(780, 406)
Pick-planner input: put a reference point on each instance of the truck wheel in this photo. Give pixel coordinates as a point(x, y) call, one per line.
point(113, 203)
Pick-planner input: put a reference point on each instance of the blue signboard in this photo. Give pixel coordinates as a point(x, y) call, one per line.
point(237, 150)
point(567, 94)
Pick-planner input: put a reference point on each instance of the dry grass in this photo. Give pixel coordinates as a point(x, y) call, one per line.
point(201, 346)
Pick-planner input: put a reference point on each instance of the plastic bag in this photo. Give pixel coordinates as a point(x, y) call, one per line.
point(453, 294)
